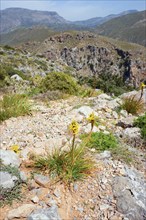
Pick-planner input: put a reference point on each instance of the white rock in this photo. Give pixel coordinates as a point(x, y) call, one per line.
point(9, 158)
point(21, 212)
point(85, 110)
point(7, 181)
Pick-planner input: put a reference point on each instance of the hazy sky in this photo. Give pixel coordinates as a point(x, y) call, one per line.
point(78, 9)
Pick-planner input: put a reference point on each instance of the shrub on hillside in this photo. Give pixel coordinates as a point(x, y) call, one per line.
point(141, 123)
point(13, 106)
point(60, 81)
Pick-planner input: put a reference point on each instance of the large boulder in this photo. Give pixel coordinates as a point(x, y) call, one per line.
point(129, 192)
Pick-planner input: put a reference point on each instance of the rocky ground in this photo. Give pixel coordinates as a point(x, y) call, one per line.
point(115, 191)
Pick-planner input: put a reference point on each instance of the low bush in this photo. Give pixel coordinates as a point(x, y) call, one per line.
point(14, 106)
point(141, 123)
point(60, 165)
point(133, 105)
point(100, 141)
point(8, 195)
point(60, 81)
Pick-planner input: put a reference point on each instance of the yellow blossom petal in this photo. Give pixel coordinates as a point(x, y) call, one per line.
point(74, 127)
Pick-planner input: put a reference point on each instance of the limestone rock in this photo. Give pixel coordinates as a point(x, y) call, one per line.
point(41, 180)
point(21, 212)
point(9, 158)
point(7, 181)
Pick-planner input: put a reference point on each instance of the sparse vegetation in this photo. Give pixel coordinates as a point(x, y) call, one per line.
point(141, 123)
point(8, 195)
point(133, 105)
point(14, 106)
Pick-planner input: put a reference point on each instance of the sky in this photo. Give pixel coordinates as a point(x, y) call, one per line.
point(78, 9)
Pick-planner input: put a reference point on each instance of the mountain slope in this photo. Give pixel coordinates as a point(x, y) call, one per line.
point(13, 18)
point(131, 27)
point(92, 22)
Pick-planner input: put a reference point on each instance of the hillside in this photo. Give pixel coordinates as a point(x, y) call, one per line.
point(131, 27)
point(25, 35)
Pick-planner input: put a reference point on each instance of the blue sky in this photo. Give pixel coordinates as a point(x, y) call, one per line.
point(78, 9)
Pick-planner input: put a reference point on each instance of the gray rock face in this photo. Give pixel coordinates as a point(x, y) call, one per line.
point(45, 214)
point(7, 181)
point(130, 194)
point(9, 158)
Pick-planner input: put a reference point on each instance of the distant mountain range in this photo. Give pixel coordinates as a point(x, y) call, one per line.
point(20, 25)
point(14, 18)
point(131, 28)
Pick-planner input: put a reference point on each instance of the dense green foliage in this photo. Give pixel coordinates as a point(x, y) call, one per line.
point(100, 141)
point(107, 82)
point(60, 81)
point(13, 106)
point(141, 123)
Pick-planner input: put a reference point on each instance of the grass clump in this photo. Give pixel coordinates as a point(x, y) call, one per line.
point(14, 106)
point(141, 123)
point(8, 195)
point(60, 81)
point(133, 105)
point(100, 141)
point(60, 165)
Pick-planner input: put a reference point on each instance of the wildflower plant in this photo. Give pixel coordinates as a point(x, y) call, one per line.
point(91, 119)
point(74, 128)
point(142, 86)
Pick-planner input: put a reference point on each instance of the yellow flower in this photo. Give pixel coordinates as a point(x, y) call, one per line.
point(91, 118)
point(74, 127)
point(15, 148)
point(142, 86)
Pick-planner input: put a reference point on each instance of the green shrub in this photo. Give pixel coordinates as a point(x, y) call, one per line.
point(133, 105)
point(60, 165)
point(13, 106)
point(8, 195)
point(141, 123)
point(100, 141)
point(60, 81)
point(10, 71)
point(106, 82)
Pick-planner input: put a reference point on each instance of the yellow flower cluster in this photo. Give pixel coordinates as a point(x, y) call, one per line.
point(15, 148)
point(142, 86)
point(74, 127)
point(91, 118)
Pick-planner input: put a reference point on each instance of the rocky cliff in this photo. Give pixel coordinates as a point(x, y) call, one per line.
point(92, 55)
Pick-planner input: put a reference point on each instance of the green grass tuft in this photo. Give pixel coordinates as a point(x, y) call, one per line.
point(60, 165)
point(14, 106)
point(133, 105)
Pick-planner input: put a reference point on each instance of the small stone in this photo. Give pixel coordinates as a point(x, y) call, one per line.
point(57, 193)
point(103, 207)
point(75, 187)
point(23, 176)
point(35, 199)
point(41, 180)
